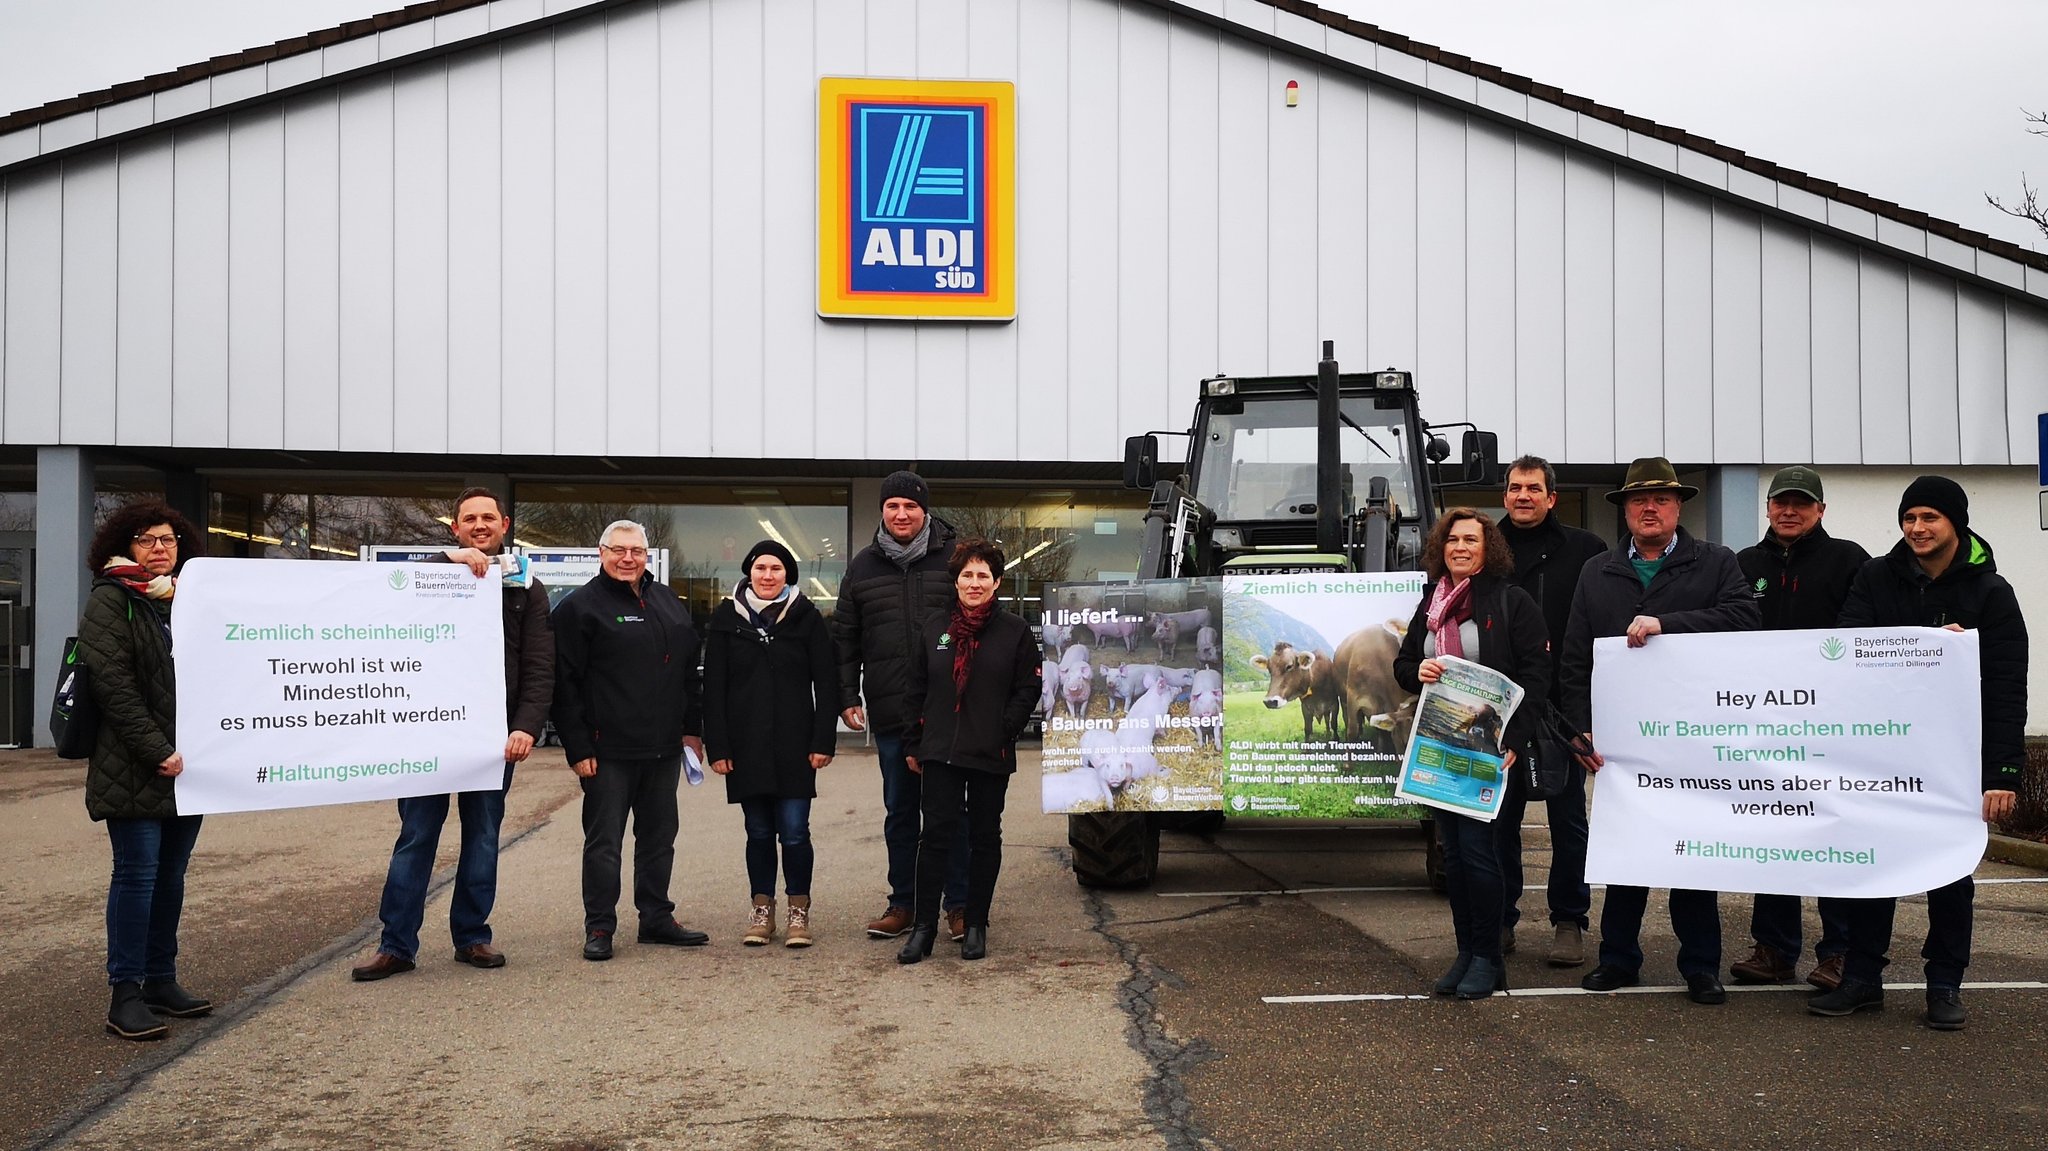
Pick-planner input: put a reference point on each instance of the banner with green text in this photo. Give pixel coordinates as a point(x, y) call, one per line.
point(1829, 762)
point(304, 683)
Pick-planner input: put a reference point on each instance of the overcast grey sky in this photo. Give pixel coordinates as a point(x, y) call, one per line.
point(1906, 100)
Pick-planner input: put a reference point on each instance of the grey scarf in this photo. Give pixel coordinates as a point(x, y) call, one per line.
point(902, 554)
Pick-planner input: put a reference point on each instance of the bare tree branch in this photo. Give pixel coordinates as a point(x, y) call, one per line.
point(2029, 208)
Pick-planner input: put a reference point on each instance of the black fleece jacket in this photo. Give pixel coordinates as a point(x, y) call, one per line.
point(1804, 585)
point(626, 679)
point(1548, 560)
point(981, 730)
point(1893, 591)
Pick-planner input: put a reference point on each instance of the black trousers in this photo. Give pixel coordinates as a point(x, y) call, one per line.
point(646, 788)
point(948, 792)
point(1951, 912)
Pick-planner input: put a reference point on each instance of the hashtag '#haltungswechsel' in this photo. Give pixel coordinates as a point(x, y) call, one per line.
point(262, 773)
point(1680, 849)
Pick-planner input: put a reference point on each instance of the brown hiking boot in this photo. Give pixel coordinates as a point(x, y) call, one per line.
point(1828, 975)
point(1764, 965)
point(799, 922)
point(1568, 948)
point(956, 924)
point(761, 928)
point(893, 923)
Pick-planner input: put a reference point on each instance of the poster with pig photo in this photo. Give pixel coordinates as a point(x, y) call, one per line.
point(1315, 724)
point(1133, 700)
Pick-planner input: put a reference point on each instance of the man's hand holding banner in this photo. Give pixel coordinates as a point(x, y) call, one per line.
point(1841, 763)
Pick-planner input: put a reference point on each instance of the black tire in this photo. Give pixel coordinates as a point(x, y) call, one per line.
point(1114, 849)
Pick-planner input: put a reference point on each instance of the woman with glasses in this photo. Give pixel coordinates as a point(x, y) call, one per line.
point(124, 642)
point(974, 682)
point(771, 715)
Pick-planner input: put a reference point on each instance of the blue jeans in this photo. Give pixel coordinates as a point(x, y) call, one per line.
point(1570, 897)
point(146, 896)
point(1695, 917)
point(769, 820)
point(1472, 878)
point(902, 799)
point(412, 866)
point(1774, 922)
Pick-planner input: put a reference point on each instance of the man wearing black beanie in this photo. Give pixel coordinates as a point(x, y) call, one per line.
point(890, 587)
point(1941, 574)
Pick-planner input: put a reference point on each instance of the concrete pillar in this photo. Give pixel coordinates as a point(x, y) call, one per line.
point(863, 514)
point(1735, 505)
point(188, 494)
point(64, 498)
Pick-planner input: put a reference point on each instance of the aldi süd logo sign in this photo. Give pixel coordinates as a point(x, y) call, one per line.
point(917, 199)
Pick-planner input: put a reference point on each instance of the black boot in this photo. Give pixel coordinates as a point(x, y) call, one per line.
point(974, 944)
point(130, 1018)
point(919, 943)
point(165, 997)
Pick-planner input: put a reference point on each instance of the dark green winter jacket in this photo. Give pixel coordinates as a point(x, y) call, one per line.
point(124, 642)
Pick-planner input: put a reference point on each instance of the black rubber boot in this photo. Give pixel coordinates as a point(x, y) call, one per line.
point(130, 1017)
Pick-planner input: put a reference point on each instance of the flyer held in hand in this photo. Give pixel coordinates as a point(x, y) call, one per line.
point(1827, 762)
point(302, 683)
point(1454, 759)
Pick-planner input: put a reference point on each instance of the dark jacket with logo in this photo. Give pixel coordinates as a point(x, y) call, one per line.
point(1697, 588)
point(875, 625)
point(1802, 586)
point(1512, 641)
point(771, 700)
point(124, 642)
point(626, 678)
point(1548, 560)
point(1893, 591)
point(529, 656)
point(979, 731)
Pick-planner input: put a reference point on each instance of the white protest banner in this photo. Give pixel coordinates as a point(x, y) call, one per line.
point(1795, 763)
point(304, 683)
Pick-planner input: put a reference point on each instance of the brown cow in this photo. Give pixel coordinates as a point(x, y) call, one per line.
point(1308, 676)
point(1375, 708)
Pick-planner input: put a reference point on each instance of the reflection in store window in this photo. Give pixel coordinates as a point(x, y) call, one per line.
point(247, 520)
point(1052, 536)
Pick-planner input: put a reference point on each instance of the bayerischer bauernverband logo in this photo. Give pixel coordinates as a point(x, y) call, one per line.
point(916, 199)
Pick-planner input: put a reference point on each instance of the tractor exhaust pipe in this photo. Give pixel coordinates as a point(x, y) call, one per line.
point(1329, 474)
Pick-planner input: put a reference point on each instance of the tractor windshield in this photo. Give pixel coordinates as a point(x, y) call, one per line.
point(1259, 462)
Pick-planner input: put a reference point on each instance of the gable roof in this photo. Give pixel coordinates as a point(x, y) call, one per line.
point(1302, 9)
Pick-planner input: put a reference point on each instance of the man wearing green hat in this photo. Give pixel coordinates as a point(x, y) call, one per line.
point(1657, 579)
point(1800, 577)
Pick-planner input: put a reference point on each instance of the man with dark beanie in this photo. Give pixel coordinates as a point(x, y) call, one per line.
point(1548, 558)
point(890, 587)
point(1940, 574)
point(1799, 576)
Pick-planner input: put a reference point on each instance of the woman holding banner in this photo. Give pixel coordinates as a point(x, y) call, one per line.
point(1470, 611)
point(771, 712)
point(124, 643)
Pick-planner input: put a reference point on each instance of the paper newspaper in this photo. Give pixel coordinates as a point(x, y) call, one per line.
point(1454, 750)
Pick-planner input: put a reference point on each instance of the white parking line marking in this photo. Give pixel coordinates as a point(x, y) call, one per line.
point(2015, 879)
point(1556, 992)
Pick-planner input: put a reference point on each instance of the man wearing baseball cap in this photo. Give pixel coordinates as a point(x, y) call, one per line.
point(1940, 574)
point(1799, 576)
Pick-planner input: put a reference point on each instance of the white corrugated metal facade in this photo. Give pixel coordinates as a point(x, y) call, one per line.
point(603, 229)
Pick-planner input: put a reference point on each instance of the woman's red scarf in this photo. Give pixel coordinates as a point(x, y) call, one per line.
point(965, 628)
point(137, 579)
point(1449, 607)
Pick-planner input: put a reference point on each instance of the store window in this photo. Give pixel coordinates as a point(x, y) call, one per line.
point(708, 529)
point(325, 519)
point(1050, 536)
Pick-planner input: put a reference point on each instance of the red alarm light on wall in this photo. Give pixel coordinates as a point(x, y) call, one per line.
point(1293, 93)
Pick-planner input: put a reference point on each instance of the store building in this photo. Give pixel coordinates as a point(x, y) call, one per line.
point(572, 249)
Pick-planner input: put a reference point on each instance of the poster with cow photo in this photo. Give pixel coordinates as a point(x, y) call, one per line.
point(1133, 698)
point(1454, 758)
point(1314, 723)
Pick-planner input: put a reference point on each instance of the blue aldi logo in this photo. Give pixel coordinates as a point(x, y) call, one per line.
point(917, 196)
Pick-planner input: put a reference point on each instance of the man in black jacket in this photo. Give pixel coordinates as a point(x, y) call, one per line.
point(629, 700)
point(1548, 558)
point(890, 587)
point(1941, 574)
point(481, 525)
point(1659, 580)
point(1799, 576)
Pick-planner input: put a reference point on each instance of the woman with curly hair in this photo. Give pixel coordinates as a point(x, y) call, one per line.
point(124, 641)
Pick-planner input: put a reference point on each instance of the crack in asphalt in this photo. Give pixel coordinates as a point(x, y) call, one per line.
point(1166, 1100)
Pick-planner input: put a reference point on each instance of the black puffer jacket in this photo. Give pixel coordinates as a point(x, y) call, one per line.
point(1892, 591)
point(1512, 641)
point(875, 624)
point(771, 701)
point(124, 641)
point(1548, 560)
point(979, 732)
point(1802, 586)
point(1698, 587)
point(626, 678)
